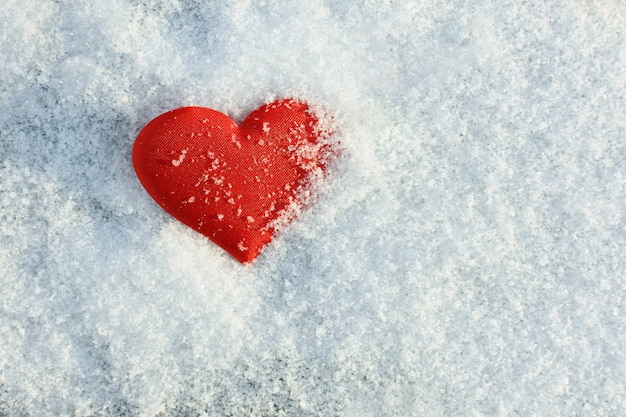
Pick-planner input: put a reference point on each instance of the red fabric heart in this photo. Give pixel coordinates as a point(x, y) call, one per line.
point(235, 185)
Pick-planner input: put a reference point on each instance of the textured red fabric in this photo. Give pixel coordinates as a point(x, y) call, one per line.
point(233, 184)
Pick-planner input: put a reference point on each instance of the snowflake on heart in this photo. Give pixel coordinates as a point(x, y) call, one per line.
point(234, 184)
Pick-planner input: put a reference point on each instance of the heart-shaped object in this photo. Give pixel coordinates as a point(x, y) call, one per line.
point(234, 184)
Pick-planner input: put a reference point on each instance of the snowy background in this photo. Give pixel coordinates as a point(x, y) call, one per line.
point(467, 257)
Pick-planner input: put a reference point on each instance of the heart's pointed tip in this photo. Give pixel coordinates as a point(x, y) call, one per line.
point(245, 258)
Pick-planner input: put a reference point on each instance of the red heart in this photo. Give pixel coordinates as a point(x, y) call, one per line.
point(235, 185)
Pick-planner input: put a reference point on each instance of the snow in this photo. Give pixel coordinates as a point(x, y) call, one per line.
point(465, 258)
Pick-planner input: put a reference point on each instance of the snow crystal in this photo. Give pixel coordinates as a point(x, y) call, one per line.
point(181, 158)
point(465, 257)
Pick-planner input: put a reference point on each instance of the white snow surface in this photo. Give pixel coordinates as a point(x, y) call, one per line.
point(465, 258)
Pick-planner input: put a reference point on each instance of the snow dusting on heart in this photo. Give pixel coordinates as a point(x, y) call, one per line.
point(237, 185)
